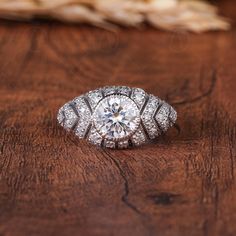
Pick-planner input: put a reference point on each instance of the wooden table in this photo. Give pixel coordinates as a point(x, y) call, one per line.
point(53, 184)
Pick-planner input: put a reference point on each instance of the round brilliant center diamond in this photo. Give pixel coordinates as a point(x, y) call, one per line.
point(116, 117)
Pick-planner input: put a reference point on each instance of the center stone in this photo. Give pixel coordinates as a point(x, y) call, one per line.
point(116, 117)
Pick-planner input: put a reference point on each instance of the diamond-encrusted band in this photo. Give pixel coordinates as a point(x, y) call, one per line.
point(117, 116)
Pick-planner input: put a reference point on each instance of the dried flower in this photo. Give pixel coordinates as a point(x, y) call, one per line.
point(196, 16)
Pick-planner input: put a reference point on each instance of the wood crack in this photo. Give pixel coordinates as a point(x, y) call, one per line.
point(125, 196)
point(203, 95)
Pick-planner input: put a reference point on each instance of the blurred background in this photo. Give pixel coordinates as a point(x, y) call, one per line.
point(192, 15)
point(51, 183)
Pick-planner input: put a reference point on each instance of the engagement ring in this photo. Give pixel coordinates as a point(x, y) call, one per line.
point(117, 116)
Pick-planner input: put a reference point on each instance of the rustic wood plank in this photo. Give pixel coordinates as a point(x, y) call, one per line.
point(53, 184)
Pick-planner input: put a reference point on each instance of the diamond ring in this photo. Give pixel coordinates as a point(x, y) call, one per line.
point(117, 116)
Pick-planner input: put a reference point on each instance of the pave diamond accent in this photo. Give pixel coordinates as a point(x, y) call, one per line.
point(109, 144)
point(139, 137)
point(123, 90)
point(123, 144)
point(139, 96)
point(94, 97)
point(109, 90)
point(84, 116)
point(60, 116)
point(148, 117)
point(94, 137)
point(116, 117)
point(172, 115)
point(67, 117)
point(162, 117)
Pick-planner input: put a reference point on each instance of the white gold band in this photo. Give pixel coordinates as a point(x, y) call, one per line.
point(117, 116)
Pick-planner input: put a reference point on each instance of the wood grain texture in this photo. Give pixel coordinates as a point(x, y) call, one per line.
point(53, 184)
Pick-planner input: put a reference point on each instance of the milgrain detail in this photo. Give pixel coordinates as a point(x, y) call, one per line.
point(117, 117)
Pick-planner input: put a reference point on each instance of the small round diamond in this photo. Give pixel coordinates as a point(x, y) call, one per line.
point(116, 117)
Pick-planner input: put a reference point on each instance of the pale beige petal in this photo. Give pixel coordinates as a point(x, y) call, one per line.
point(189, 15)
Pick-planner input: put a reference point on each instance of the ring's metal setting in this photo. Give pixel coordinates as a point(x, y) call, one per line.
point(117, 117)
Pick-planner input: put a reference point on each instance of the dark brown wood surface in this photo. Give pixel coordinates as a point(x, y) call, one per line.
point(53, 184)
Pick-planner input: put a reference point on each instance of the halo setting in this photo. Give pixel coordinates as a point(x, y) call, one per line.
point(116, 117)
